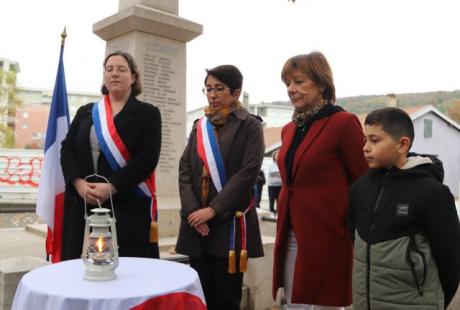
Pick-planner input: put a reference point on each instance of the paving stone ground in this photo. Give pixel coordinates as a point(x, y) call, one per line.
point(15, 220)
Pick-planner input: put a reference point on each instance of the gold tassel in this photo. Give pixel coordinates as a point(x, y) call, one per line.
point(153, 238)
point(231, 262)
point(243, 261)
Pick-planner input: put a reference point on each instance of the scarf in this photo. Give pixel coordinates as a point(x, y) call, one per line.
point(218, 116)
point(300, 116)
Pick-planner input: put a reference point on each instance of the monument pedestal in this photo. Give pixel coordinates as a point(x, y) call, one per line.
point(11, 272)
point(169, 216)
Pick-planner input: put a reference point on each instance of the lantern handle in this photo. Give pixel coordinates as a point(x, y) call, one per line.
point(98, 202)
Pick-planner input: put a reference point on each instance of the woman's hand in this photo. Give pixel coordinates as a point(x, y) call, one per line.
point(103, 190)
point(201, 216)
point(84, 189)
point(203, 229)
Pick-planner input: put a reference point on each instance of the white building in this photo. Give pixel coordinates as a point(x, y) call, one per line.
point(32, 118)
point(274, 114)
point(34, 100)
point(44, 96)
point(437, 134)
point(9, 65)
point(6, 65)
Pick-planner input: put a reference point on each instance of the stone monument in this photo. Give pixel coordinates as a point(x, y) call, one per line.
point(156, 36)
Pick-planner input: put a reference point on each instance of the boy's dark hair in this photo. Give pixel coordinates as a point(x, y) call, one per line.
point(136, 87)
point(394, 121)
point(227, 74)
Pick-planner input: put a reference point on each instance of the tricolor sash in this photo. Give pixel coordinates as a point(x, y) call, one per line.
point(209, 153)
point(117, 154)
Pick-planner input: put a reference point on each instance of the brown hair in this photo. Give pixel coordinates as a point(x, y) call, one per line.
point(136, 87)
point(316, 68)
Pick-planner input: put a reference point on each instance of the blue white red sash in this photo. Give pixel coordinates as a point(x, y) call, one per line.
point(117, 153)
point(209, 153)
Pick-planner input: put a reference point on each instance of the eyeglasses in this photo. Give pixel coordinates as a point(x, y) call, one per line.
point(219, 89)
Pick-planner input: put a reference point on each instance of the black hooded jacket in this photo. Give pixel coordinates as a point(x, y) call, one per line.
point(388, 204)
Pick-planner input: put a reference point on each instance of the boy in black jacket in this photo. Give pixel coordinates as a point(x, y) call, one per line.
point(404, 223)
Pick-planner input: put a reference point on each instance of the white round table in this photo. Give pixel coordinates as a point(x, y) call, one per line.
point(141, 284)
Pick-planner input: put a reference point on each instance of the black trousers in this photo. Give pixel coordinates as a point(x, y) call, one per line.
point(273, 193)
point(222, 290)
point(258, 197)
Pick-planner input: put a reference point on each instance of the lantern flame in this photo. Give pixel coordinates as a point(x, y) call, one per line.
point(99, 244)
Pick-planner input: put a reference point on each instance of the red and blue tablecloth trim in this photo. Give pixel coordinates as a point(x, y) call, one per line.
point(173, 301)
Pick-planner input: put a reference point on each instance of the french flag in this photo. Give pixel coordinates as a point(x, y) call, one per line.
point(50, 200)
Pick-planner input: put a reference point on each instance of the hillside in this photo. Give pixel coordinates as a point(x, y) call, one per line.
point(442, 100)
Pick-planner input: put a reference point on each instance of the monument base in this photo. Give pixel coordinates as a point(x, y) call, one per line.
point(168, 217)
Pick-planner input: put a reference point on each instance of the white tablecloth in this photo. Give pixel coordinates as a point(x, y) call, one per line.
point(139, 281)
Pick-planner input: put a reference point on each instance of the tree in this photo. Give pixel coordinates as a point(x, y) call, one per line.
point(454, 111)
point(9, 103)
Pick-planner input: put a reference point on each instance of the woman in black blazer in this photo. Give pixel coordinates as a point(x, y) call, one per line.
point(84, 152)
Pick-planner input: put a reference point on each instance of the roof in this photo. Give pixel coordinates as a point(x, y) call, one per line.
point(276, 104)
point(409, 110)
point(417, 111)
point(272, 137)
point(430, 108)
point(50, 92)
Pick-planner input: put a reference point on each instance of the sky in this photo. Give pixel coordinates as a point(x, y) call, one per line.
point(373, 47)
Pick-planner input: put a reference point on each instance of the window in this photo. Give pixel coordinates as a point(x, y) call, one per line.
point(37, 135)
point(427, 128)
point(25, 114)
point(25, 126)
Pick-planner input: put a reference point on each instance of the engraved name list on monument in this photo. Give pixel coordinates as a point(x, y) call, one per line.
point(160, 89)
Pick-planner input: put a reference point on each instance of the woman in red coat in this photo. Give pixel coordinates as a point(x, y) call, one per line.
point(320, 157)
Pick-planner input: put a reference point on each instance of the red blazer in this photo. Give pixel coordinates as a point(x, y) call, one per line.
point(327, 162)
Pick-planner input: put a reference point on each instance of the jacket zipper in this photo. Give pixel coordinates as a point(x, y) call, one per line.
point(413, 246)
point(368, 258)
